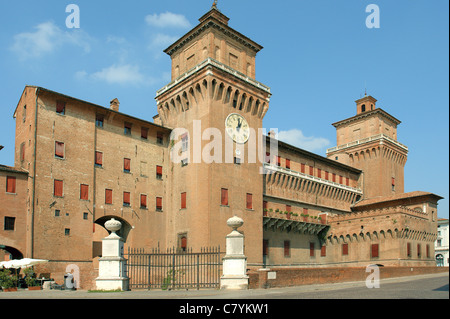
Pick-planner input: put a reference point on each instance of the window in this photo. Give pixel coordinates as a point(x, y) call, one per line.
point(393, 183)
point(375, 251)
point(289, 208)
point(24, 114)
point(144, 133)
point(428, 251)
point(333, 179)
point(319, 173)
point(265, 247)
point(159, 172)
point(311, 170)
point(126, 198)
point(185, 142)
point(419, 251)
point(85, 216)
point(159, 206)
point(347, 181)
point(237, 160)
point(126, 165)
point(408, 250)
point(67, 231)
point(10, 184)
point(9, 223)
point(305, 211)
point(287, 248)
point(288, 163)
point(58, 188)
point(278, 160)
point(323, 251)
point(127, 129)
point(59, 149)
point(344, 249)
point(363, 108)
point(267, 157)
point(143, 201)
point(183, 200)
point(326, 175)
point(57, 213)
point(183, 242)
point(61, 107)
point(264, 204)
point(249, 201)
point(224, 197)
point(159, 138)
point(340, 179)
point(311, 250)
point(302, 168)
point(108, 196)
point(99, 119)
point(99, 159)
point(84, 192)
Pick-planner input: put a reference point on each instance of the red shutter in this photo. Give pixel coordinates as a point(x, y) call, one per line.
point(311, 249)
point(99, 158)
point(287, 248)
point(393, 181)
point(224, 197)
point(311, 170)
point(159, 170)
point(249, 201)
point(108, 196)
point(347, 181)
point(60, 107)
point(183, 200)
point(278, 161)
point(126, 164)
point(302, 169)
point(183, 243)
point(288, 163)
point(345, 249)
point(408, 249)
point(326, 175)
point(58, 188)
point(143, 201)
point(319, 173)
point(374, 250)
point(144, 133)
point(264, 204)
point(59, 149)
point(289, 208)
point(334, 177)
point(11, 184)
point(323, 251)
point(340, 179)
point(84, 192)
point(159, 203)
point(126, 198)
point(305, 210)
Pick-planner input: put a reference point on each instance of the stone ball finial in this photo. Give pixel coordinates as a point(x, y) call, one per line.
point(235, 222)
point(113, 225)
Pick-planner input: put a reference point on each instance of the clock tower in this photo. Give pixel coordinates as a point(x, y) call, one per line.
point(216, 101)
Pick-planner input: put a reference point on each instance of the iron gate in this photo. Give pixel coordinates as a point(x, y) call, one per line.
point(174, 269)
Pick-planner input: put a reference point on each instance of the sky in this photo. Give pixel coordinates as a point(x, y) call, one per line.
point(318, 58)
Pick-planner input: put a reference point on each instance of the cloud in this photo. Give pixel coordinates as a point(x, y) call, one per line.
point(162, 40)
point(167, 20)
point(296, 138)
point(46, 39)
point(120, 74)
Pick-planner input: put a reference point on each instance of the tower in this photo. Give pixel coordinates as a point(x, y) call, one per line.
point(368, 141)
point(213, 71)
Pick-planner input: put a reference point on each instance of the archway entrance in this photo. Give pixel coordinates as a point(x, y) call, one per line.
point(102, 232)
point(9, 253)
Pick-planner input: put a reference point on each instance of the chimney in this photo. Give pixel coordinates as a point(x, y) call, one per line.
point(114, 105)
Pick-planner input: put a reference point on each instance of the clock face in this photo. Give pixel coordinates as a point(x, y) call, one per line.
point(237, 128)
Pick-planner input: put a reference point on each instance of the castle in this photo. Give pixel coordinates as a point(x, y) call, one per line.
point(78, 164)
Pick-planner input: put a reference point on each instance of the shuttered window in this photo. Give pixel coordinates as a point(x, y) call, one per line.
point(289, 208)
point(302, 168)
point(323, 251)
point(159, 206)
point(10, 184)
point(126, 198)
point(419, 251)
point(288, 163)
point(311, 250)
point(59, 149)
point(265, 247)
point(287, 248)
point(344, 249)
point(375, 251)
point(159, 172)
point(60, 107)
point(84, 192)
point(144, 133)
point(408, 249)
point(319, 173)
point(249, 201)
point(126, 165)
point(143, 201)
point(58, 188)
point(108, 196)
point(326, 175)
point(311, 170)
point(183, 200)
point(224, 197)
point(99, 158)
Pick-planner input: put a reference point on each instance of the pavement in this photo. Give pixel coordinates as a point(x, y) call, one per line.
point(433, 286)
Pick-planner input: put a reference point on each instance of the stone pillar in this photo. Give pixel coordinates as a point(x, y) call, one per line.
point(234, 262)
point(112, 264)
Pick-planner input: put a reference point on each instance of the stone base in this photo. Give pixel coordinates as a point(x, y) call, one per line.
point(117, 283)
point(234, 282)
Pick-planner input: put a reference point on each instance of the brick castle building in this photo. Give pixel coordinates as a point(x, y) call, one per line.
point(78, 164)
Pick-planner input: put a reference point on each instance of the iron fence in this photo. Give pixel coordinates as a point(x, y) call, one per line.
point(174, 269)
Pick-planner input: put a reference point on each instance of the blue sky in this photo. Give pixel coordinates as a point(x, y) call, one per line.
point(318, 57)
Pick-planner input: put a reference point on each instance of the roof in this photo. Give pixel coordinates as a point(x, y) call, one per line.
point(10, 169)
point(377, 111)
point(303, 152)
point(396, 197)
point(97, 106)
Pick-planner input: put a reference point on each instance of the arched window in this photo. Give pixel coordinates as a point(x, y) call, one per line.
point(363, 108)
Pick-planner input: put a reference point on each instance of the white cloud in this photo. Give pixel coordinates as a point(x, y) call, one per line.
point(163, 40)
point(47, 38)
point(167, 20)
point(296, 138)
point(119, 74)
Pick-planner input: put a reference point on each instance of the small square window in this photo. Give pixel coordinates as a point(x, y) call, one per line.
point(144, 133)
point(127, 129)
point(61, 107)
point(159, 138)
point(57, 213)
point(99, 119)
point(85, 216)
point(59, 149)
point(67, 231)
point(9, 223)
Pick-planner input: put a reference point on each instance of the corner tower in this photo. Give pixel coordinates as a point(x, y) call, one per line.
point(213, 77)
point(368, 141)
